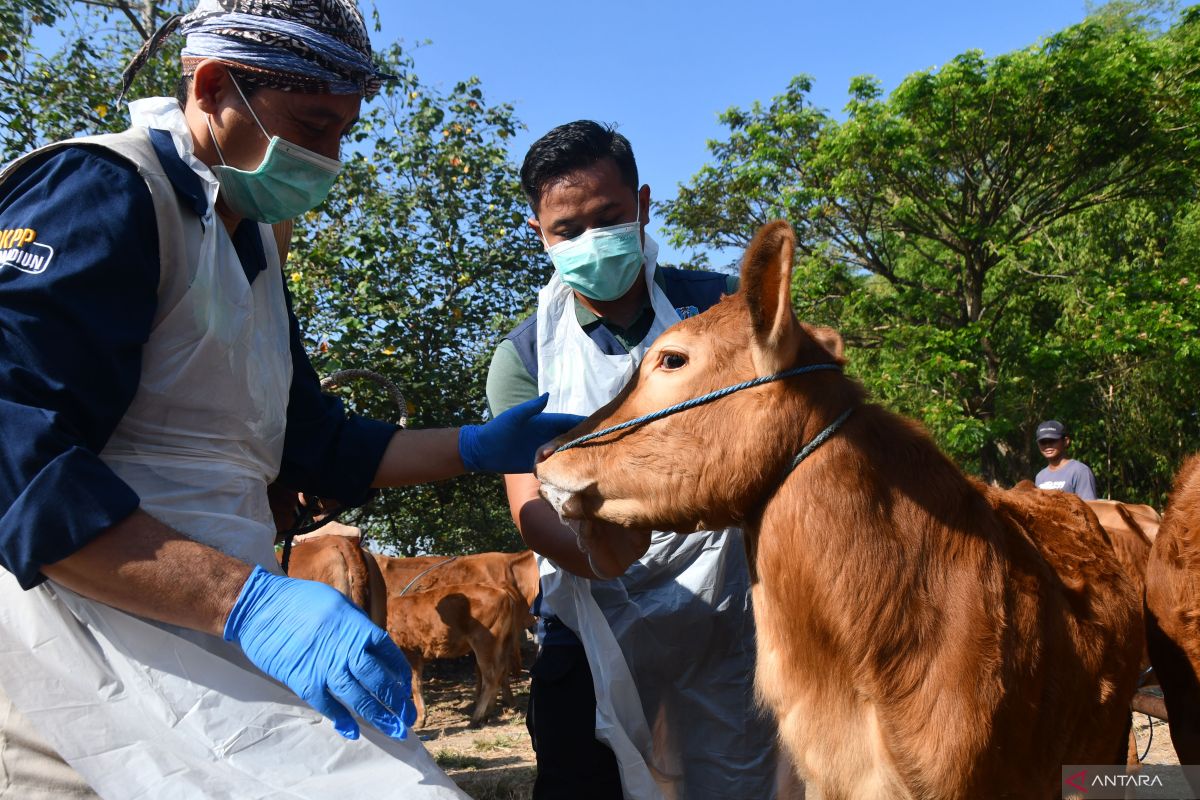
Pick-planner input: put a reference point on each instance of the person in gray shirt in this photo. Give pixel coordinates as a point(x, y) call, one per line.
point(1061, 473)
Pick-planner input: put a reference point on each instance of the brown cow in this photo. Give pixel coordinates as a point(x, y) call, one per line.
point(1173, 611)
point(450, 621)
point(1132, 528)
point(344, 564)
point(516, 571)
point(920, 634)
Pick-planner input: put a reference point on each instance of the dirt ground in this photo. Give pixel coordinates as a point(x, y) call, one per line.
point(1153, 738)
point(496, 761)
point(1154, 745)
point(493, 762)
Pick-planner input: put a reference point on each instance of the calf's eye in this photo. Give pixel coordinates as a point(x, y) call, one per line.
point(673, 361)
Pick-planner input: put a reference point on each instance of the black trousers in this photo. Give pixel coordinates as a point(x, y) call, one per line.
point(571, 763)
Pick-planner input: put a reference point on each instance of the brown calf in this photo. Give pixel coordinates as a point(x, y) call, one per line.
point(516, 571)
point(920, 634)
point(450, 621)
point(1173, 611)
point(1132, 529)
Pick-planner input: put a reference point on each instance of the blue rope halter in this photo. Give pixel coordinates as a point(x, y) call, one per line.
point(804, 453)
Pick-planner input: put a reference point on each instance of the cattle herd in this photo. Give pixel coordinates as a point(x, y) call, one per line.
point(433, 606)
point(920, 634)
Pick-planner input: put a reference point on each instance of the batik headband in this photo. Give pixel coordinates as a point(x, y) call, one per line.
point(310, 46)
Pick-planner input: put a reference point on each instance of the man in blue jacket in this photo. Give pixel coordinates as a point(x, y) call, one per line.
point(152, 384)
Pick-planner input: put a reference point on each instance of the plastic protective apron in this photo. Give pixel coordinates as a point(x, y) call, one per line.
point(671, 642)
point(144, 710)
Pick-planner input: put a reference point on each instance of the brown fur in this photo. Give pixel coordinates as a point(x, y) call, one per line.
point(450, 621)
point(1173, 610)
point(518, 572)
point(920, 634)
point(328, 563)
point(1131, 528)
point(340, 562)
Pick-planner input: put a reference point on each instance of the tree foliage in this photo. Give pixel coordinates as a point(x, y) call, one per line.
point(1001, 240)
point(61, 63)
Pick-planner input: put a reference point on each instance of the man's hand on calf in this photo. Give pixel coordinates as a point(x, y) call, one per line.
point(610, 549)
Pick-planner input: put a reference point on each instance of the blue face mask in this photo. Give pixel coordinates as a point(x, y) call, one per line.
point(601, 263)
point(289, 181)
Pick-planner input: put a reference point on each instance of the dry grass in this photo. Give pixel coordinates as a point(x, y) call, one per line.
point(493, 762)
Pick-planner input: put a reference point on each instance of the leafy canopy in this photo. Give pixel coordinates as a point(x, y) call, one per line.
point(951, 229)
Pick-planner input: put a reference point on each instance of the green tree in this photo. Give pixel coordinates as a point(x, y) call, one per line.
point(929, 217)
point(61, 63)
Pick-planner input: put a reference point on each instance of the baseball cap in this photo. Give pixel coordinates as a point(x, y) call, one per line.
point(1051, 429)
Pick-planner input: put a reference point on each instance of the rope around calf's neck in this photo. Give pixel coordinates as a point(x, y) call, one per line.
point(820, 439)
point(708, 398)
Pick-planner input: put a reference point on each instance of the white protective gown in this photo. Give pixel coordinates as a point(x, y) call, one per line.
point(145, 710)
point(670, 643)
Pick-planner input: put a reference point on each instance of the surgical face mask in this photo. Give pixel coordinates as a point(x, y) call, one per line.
point(601, 263)
point(289, 181)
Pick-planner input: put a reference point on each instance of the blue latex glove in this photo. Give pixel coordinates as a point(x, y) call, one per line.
point(510, 442)
point(322, 647)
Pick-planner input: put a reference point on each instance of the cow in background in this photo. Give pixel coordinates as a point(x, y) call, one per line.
point(1133, 529)
point(920, 634)
point(1130, 527)
point(1173, 611)
point(338, 560)
point(517, 572)
point(449, 621)
point(332, 554)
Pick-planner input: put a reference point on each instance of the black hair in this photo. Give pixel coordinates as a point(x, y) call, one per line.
point(571, 147)
point(182, 88)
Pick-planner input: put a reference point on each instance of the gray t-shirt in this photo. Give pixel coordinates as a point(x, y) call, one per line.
point(1073, 476)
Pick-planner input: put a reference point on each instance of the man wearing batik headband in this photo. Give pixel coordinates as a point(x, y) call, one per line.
point(153, 383)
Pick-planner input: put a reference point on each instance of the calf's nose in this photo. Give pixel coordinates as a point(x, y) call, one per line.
point(567, 502)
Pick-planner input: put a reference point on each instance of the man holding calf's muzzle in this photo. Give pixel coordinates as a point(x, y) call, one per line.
point(643, 685)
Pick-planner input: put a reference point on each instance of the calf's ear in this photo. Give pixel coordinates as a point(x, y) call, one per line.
point(767, 285)
point(829, 340)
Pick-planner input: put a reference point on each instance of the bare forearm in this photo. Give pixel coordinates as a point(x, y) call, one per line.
point(143, 566)
point(541, 528)
point(544, 533)
point(419, 456)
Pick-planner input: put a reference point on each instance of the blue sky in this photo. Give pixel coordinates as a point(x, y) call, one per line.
point(662, 70)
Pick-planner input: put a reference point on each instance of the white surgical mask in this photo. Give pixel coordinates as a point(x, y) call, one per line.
point(601, 263)
point(289, 181)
